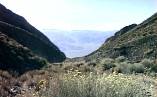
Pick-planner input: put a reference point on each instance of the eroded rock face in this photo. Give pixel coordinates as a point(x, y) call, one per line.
point(135, 42)
point(17, 28)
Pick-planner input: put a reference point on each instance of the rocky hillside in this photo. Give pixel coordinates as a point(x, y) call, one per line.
point(17, 28)
point(15, 57)
point(134, 42)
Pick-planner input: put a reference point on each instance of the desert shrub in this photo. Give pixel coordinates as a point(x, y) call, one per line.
point(85, 68)
point(120, 59)
point(137, 68)
point(152, 74)
point(126, 67)
point(108, 66)
point(154, 68)
point(107, 63)
point(147, 63)
point(9, 86)
point(122, 65)
point(39, 62)
point(93, 85)
point(51, 90)
point(93, 63)
point(107, 60)
point(68, 66)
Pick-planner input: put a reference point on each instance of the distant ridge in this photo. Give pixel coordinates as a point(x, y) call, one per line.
point(136, 42)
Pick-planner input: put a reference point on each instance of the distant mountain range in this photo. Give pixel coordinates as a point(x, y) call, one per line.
point(77, 43)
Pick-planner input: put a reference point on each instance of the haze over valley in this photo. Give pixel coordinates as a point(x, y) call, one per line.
point(77, 43)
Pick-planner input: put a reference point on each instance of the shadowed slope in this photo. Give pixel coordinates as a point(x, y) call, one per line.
point(15, 57)
point(21, 31)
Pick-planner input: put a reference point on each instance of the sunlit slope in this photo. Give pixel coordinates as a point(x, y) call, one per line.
point(135, 43)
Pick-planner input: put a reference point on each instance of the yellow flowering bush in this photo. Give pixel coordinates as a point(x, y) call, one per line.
point(112, 85)
point(78, 84)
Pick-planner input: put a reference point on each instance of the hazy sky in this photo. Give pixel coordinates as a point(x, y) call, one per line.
point(82, 14)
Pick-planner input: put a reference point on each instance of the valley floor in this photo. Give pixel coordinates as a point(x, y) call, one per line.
point(77, 84)
point(106, 78)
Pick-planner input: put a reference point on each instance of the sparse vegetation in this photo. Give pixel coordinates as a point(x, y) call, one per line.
point(77, 84)
point(122, 65)
point(108, 78)
point(107, 63)
point(125, 66)
point(124, 80)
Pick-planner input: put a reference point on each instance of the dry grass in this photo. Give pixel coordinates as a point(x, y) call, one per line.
point(78, 84)
point(75, 82)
